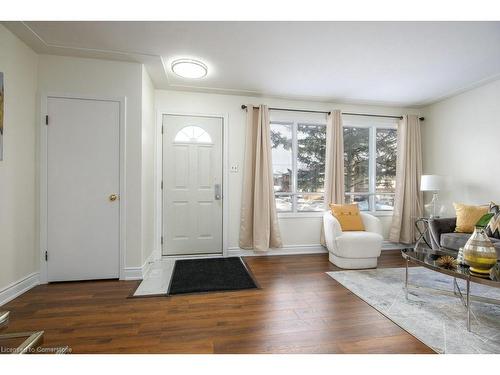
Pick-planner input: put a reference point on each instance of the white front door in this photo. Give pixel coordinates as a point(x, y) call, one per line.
point(192, 185)
point(83, 174)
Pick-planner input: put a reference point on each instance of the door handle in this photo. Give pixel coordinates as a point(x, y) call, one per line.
point(217, 192)
point(113, 197)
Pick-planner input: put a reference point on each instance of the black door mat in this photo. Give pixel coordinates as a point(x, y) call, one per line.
point(210, 275)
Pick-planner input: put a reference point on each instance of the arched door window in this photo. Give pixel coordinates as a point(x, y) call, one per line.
point(192, 134)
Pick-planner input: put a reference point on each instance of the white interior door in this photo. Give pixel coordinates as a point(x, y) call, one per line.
point(192, 185)
point(83, 174)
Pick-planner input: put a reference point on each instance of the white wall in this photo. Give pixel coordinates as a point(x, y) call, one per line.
point(18, 255)
point(101, 78)
point(461, 140)
point(295, 231)
point(148, 166)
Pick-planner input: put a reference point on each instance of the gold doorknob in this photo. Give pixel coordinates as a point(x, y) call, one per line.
point(113, 197)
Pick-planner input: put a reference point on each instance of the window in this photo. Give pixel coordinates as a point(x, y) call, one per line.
point(192, 134)
point(370, 150)
point(298, 152)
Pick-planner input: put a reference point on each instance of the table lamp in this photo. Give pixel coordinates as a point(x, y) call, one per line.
point(433, 183)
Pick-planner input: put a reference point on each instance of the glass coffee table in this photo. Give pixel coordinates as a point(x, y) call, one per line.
point(426, 257)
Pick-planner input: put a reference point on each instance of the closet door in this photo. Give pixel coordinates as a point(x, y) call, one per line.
point(83, 174)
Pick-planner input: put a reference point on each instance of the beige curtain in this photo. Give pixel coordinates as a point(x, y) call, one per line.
point(408, 200)
point(259, 228)
point(334, 163)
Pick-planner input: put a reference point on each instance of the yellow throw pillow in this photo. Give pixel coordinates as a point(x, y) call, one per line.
point(348, 216)
point(468, 216)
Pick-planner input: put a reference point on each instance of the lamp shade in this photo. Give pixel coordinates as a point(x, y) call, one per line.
point(431, 182)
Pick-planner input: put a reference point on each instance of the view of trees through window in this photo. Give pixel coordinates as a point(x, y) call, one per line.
point(386, 143)
point(281, 138)
point(298, 152)
point(357, 165)
point(370, 167)
point(311, 144)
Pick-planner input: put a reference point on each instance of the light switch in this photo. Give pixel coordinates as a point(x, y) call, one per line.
point(235, 168)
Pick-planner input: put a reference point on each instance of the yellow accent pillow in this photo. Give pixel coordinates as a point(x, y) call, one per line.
point(468, 216)
point(348, 216)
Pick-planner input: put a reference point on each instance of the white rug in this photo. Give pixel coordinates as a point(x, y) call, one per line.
point(437, 318)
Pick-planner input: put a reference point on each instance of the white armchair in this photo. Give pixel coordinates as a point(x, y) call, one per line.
point(353, 249)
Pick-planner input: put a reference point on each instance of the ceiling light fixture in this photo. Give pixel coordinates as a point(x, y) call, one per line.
point(189, 68)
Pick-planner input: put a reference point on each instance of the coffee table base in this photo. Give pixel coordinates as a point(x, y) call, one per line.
point(428, 258)
point(456, 292)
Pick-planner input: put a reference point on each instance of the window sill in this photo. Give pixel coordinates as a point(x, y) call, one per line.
point(300, 215)
point(317, 214)
point(381, 213)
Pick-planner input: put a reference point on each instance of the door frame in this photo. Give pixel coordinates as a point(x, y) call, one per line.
point(159, 176)
point(42, 183)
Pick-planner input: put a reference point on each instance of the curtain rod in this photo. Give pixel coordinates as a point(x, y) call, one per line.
point(243, 106)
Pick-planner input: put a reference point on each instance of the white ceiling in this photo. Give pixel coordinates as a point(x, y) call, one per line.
point(397, 63)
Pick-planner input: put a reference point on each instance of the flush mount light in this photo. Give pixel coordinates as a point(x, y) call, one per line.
point(188, 68)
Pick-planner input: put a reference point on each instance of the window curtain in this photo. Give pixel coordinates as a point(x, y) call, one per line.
point(334, 163)
point(259, 228)
point(408, 199)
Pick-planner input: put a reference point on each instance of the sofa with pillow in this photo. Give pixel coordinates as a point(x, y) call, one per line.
point(453, 233)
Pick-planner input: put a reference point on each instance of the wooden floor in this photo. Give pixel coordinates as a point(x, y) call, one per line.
point(299, 309)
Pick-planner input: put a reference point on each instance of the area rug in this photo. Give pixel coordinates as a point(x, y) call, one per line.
point(432, 313)
point(210, 275)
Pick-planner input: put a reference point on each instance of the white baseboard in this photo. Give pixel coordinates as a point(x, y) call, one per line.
point(300, 249)
point(147, 264)
point(19, 287)
point(132, 273)
point(138, 273)
point(387, 245)
point(285, 250)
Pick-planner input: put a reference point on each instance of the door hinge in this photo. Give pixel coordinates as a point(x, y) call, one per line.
point(46, 119)
point(162, 129)
point(162, 184)
point(161, 240)
point(46, 256)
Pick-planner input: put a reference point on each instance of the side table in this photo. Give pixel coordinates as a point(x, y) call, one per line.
point(422, 226)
